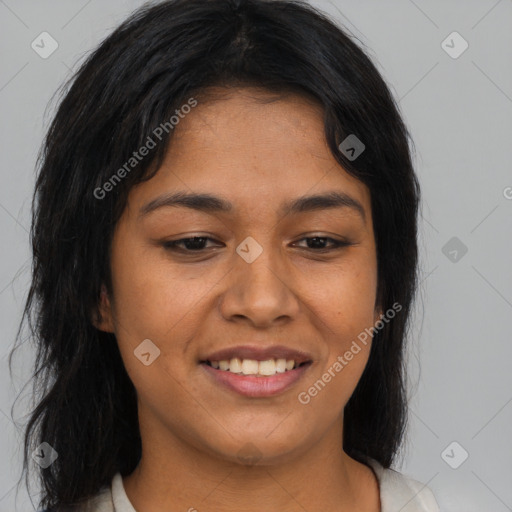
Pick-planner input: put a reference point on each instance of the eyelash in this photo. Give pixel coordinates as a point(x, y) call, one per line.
point(173, 245)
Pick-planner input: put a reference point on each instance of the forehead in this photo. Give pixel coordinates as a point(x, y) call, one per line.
point(253, 147)
point(252, 122)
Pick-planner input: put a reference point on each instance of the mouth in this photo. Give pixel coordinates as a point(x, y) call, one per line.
point(256, 372)
point(266, 368)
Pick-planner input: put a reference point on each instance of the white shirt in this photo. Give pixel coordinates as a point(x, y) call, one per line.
point(398, 493)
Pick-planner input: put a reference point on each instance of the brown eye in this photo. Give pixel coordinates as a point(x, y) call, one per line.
point(317, 243)
point(191, 244)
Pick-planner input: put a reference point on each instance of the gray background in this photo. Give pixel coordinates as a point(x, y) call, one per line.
point(459, 111)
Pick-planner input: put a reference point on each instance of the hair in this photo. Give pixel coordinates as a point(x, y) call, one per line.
point(153, 63)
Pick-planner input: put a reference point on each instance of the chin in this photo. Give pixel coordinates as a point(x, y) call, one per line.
point(262, 448)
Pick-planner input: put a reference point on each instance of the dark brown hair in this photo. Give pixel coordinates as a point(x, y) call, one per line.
point(134, 81)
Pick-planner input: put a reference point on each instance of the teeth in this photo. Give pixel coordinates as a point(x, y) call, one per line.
point(235, 365)
point(253, 367)
point(250, 367)
point(281, 365)
point(267, 367)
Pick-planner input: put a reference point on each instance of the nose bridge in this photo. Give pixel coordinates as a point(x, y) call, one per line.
point(260, 261)
point(259, 289)
point(259, 264)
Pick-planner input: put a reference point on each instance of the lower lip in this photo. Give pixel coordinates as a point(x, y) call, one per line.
point(257, 387)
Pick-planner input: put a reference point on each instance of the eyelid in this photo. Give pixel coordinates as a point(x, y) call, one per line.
point(335, 243)
point(173, 243)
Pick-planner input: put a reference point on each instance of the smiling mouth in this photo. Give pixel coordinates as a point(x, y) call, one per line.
point(255, 368)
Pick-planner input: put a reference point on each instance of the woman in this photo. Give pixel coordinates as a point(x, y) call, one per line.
point(225, 260)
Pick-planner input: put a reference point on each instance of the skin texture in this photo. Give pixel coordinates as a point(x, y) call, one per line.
point(255, 150)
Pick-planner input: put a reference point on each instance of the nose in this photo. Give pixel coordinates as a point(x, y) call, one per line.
point(260, 293)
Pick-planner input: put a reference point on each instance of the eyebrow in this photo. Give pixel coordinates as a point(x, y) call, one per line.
point(209, 203)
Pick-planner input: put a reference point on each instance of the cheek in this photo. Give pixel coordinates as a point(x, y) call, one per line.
point(346, 301)
point(155, 303)
point(346, 314)
point(155, 298)
point(346, 310)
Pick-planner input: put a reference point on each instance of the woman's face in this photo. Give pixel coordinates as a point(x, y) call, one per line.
point(262, 283)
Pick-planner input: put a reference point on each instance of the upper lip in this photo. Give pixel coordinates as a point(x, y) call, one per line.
point(258, 353)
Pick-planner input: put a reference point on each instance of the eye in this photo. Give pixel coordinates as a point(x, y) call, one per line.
point(196, 244)
point(318, 243)
point(191, 244)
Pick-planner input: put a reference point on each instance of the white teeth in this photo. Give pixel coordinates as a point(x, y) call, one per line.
point(250, 367)
point(267, 367)
point(235, 365)
point(253, 367)
point(281, 365)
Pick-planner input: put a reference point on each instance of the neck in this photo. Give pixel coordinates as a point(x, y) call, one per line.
point(173, 475)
